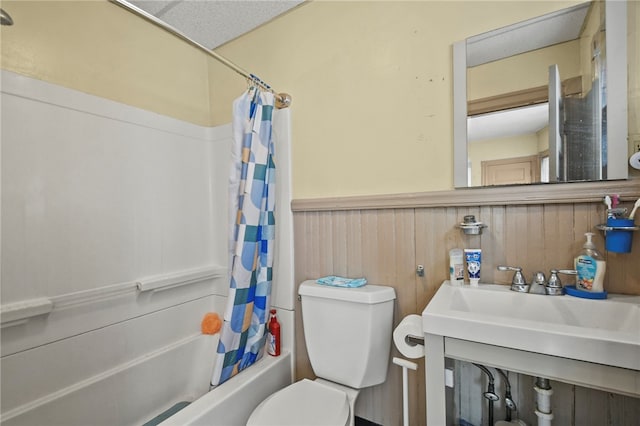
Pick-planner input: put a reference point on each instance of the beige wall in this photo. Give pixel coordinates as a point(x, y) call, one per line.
point(543, 139)
point(371, 86)
point(98, 48)
point(524, 71)
point(371, 81)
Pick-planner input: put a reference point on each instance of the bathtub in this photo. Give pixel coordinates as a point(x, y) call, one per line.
point(106, 330)
point(138, 391)
point(232, 402)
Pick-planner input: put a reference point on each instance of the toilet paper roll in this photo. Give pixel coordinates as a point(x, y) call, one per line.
point(411, 325)
point(634, 161)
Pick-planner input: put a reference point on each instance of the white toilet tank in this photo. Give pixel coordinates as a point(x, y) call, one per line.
point(348, 332)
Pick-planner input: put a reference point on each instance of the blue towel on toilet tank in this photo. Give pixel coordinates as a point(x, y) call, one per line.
point(341, 281)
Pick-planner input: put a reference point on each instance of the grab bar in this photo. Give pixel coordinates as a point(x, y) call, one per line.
point(163, 282)
point(20, 312)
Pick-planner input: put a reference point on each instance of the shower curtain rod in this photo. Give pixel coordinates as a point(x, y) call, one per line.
point(283, 100)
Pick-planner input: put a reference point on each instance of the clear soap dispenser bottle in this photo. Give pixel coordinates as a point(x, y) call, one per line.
point(591, 266)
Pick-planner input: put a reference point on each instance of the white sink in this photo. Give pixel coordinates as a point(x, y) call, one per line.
point(601, 331)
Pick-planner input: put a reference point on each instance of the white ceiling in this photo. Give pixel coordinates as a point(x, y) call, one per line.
point(511, 122)
point(215, 22)
point(552, 28)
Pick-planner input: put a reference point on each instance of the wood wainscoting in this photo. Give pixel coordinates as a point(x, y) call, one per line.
point(385, 238)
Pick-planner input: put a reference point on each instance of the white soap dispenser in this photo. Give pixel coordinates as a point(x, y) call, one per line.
point(591, 266)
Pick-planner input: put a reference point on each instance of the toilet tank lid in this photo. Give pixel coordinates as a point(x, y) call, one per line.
point(367, 294)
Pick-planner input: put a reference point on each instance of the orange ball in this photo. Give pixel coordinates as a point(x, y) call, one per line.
point(211, 323)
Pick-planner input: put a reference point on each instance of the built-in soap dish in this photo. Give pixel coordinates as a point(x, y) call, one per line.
point(470, 226)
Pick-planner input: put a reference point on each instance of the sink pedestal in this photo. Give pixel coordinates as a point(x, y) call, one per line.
point(459, 324)
point(581, 373)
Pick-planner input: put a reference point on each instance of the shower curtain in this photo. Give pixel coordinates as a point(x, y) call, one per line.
point(252, 185)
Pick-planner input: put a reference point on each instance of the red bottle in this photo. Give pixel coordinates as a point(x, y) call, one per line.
point(273, 344)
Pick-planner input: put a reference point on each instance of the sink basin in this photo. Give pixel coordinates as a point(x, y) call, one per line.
point(600, 331)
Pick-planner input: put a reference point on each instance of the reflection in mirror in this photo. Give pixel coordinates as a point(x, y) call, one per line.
point(508, 146)
point(511, 126)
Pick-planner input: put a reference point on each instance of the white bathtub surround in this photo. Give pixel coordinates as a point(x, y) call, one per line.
point(283, 293)
point(79, 312)
point(113, 248)
point(96, 193)
point(132, 391)
point(63, 382)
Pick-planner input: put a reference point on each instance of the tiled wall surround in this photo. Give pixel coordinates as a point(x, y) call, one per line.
point(384, 238)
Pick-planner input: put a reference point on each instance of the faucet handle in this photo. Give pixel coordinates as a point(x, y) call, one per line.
point(518, 283)
point(518, 278)
point(554, 285)
point(554, 280)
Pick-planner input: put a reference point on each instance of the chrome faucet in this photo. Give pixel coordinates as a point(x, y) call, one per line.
point(554, 285)
point(518, 282)
point(539, 283)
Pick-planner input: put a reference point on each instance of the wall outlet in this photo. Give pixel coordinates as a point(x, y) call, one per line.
point(448, 377)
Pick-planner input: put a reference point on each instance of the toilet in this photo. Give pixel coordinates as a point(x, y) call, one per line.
point(348, 338)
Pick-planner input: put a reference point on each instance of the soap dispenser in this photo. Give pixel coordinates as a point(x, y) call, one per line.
point(591, 266)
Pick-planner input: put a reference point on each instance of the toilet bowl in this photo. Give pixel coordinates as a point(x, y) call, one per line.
point(348, 339)
point(304, 403)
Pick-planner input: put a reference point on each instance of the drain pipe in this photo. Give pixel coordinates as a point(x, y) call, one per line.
point(490, 394)
point(543, 401)
point(508, 401)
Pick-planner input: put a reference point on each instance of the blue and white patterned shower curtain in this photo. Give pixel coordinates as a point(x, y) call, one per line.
point(243, 334)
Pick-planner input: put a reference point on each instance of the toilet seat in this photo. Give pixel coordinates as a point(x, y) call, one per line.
point(304, 403)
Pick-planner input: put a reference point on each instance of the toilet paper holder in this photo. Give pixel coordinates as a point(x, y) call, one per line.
point(408, 337)
point(414, 340)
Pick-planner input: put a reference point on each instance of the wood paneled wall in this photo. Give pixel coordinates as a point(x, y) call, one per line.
point(386, 244)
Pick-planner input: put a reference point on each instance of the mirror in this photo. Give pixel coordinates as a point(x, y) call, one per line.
point(543, 100)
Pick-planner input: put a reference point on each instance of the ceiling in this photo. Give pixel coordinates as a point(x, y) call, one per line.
point(215, 22)
point(546, 30)
point(508, 123)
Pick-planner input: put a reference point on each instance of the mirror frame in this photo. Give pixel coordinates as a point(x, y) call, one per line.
point(617, 120)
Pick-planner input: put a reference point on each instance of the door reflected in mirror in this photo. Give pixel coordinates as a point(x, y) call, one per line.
point(507, 146)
